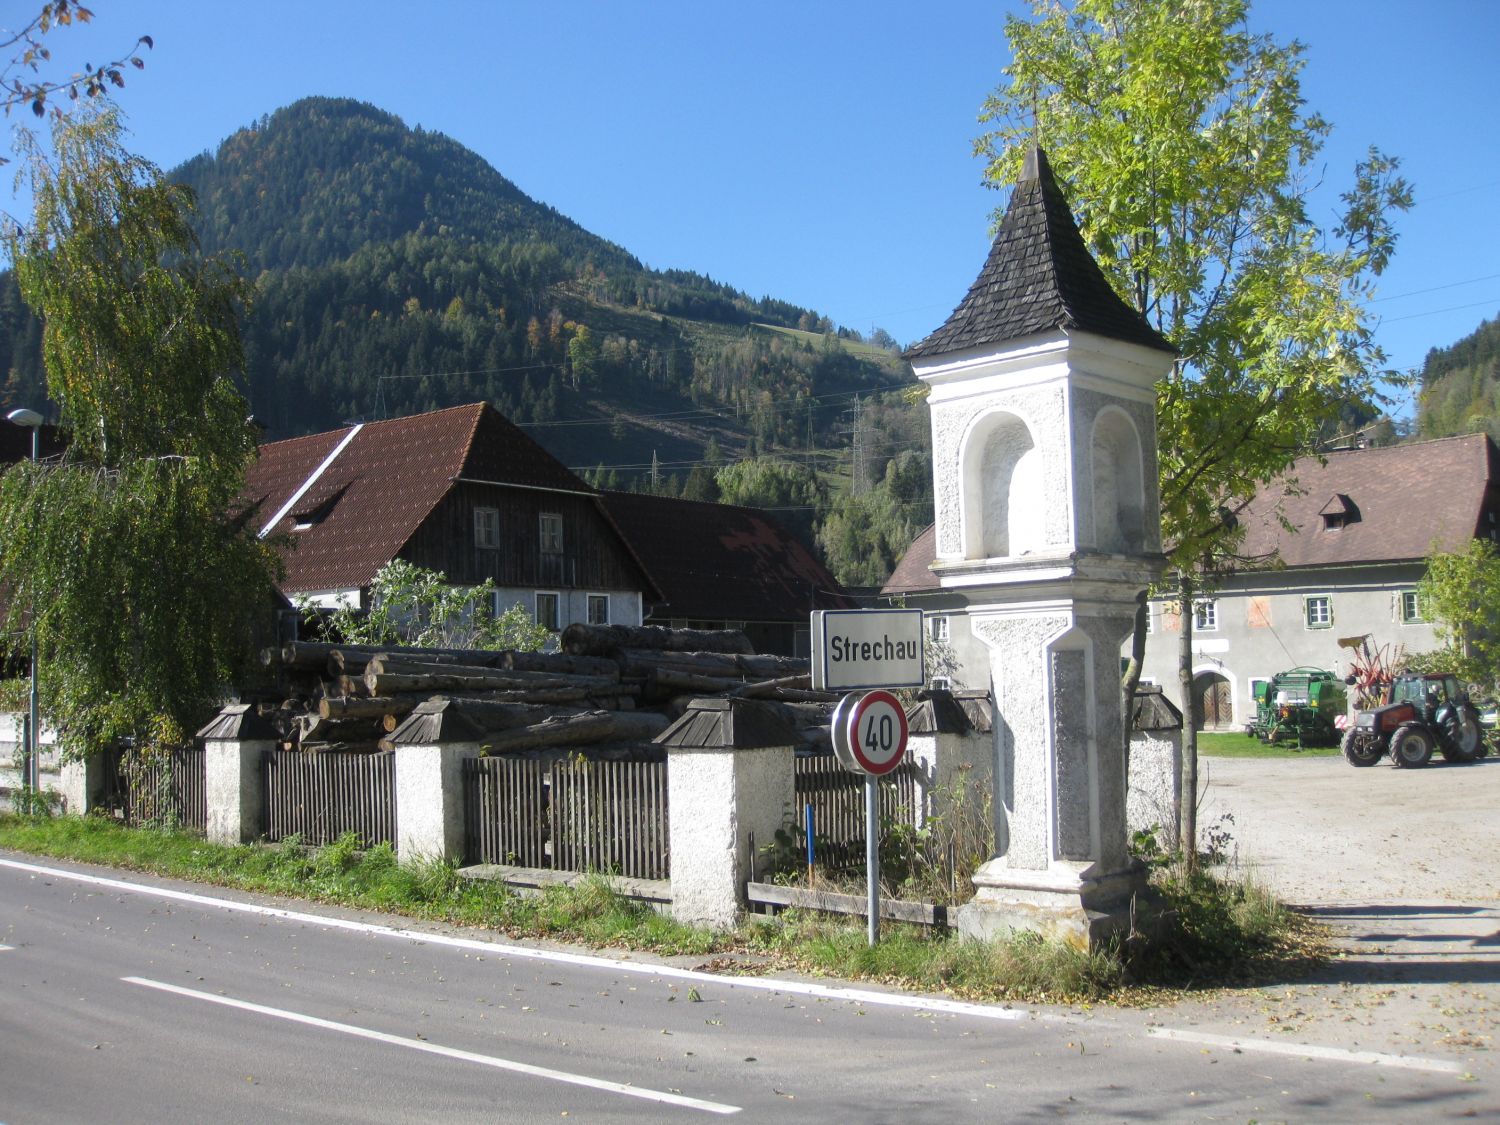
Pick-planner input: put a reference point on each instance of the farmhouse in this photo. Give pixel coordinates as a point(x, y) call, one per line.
point(722, 566)
point(1361, 528)
point(1343, 573)
point(462, 491)
point(465, 492)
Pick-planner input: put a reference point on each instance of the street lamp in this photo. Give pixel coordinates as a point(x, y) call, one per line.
point(31, 762)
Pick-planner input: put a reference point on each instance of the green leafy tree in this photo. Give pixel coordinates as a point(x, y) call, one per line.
point(411, 605)
point(701, 485)
point(583, 356)
point(1460, 593)
point(128, 559)
point(1189, 157)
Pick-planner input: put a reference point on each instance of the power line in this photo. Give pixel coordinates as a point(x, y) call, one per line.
point(475, 371)
point(1493, 302)
point(1435, 288)
point(791, 401)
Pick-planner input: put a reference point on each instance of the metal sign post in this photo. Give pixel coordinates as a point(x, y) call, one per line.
point(868, 648)
point(872, 860)
point(869, 737)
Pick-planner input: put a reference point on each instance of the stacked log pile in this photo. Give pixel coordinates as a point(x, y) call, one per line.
point(611, 687)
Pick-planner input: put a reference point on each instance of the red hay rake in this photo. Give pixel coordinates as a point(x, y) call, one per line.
point(1371, 669)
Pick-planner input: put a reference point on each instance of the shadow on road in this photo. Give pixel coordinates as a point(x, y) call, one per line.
point(1411, 943)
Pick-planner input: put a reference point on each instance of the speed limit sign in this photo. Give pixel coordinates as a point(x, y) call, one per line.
point(877, 732)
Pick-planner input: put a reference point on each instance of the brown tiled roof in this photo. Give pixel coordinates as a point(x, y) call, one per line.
point(384, 483)
point(722, 562)
point(1398, 501)
point(912, 574)
point(1039, 277)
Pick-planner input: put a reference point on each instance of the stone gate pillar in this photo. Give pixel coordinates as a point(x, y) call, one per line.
point(1042, 397)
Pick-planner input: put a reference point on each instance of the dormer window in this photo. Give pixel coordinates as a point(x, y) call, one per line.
point(309, 515)
point(1339, 512)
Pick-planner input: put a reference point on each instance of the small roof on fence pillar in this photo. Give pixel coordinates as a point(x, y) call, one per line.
point(937, 712)
point(436, 721)
point(1154, 711)
point(730, 724)
point(978, 707)
point(239, 722)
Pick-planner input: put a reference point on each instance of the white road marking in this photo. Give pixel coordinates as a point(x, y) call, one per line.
point(6, 948)
point(521, 952)
point(1306, 1050)
point(763, 984)
point(446, 1052)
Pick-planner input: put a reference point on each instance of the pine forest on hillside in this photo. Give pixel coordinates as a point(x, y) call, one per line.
point(395, 271)
point(1461, 386)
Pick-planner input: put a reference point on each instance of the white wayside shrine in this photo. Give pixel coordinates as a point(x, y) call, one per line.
point(1045, 482)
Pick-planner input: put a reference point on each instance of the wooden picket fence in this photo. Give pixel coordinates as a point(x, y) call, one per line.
point(317, 797)
point(505, 811)
point(572, 814)
point(838, 800)
point(163, 788)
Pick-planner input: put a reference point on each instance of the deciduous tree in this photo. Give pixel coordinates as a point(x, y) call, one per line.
point(129, 559)
point(412, 605)
point(1189, 159)
point(1460, 594)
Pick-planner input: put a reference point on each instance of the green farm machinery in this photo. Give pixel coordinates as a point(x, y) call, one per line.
point(1302, 705)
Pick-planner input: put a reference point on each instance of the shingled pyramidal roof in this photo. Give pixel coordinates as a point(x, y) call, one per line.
point(1039, 277)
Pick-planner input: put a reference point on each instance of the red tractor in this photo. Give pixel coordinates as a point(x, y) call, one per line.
point(1420, 714)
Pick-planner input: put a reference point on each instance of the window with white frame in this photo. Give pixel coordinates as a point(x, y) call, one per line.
point(937, 626)
point(1206, 615)
point(487, 528)
point(1411, 608)
point(548, 610)
point(598, 609)
point(552, 533)
point(942, 683)
point(1317, 611)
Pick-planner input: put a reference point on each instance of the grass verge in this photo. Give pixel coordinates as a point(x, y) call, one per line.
point(1237, 744)
point(1203, 931)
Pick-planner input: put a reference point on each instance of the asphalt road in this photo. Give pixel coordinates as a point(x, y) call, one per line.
point(133, 999)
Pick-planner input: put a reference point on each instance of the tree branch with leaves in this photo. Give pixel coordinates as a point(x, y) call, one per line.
point(25, 58)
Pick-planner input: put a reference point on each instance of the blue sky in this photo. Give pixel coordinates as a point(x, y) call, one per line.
point(816, 152)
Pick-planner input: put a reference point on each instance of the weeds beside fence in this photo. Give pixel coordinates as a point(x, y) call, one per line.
point(165, 787)
point(838, 802)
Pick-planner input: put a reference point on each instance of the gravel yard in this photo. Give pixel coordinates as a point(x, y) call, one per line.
point(1321, 831)
point(1402, 864)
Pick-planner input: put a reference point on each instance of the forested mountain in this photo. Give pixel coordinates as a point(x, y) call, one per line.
point(396, 271)
point(1461, 386)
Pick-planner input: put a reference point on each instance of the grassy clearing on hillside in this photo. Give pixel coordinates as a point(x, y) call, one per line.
point(1207, 930)
point(853, 347)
